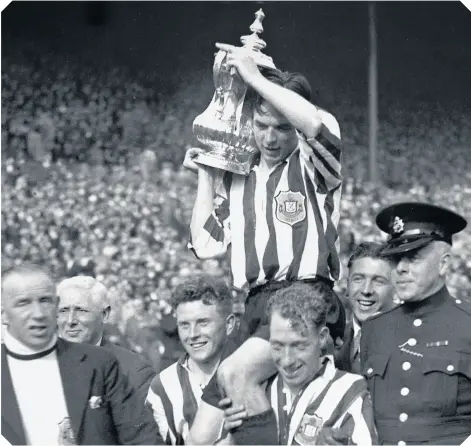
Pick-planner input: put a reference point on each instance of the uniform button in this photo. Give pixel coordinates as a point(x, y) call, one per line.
point(369, 371)
point(403, 417)
point(458, 301)
point(401, 443)
point(406, 365)
point(418, 322)
point(450, 368)
point(405, 391)
point(412, 342)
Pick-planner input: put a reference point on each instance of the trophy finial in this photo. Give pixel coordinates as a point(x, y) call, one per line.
point(254, 42)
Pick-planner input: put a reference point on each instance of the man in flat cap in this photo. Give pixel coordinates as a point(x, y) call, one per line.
point(417, 356)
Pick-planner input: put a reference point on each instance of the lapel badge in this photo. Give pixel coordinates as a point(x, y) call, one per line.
point(95, 402)
point(308, 429)
point(397, 226)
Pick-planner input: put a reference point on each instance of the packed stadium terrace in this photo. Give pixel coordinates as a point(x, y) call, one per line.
point(92, 176)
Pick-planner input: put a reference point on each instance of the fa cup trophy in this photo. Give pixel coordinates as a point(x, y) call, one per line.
point(225, 127)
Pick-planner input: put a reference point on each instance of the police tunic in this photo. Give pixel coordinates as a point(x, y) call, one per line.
point(417, 362)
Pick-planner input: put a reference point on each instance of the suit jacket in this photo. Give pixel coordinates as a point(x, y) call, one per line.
point(343, 359)
point(87, 371)
point(138, 369)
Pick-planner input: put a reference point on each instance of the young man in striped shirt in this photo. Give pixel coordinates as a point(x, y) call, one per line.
point(281, 222)
point(312, 401)
point(203, 308)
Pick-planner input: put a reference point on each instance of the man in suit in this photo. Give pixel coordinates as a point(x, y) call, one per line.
point(370, 291)
point(417, 356)
point(54, 391)
point(83, 311)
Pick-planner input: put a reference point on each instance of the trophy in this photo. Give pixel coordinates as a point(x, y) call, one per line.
point(225, 127)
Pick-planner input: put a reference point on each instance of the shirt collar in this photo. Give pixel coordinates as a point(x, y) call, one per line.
point(356, 326)
point(15, 346)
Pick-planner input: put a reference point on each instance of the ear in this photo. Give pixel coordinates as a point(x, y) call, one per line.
point(4, 317)
point(230, 323)
point(324, 336)
point(106, 313)
point(444, 265)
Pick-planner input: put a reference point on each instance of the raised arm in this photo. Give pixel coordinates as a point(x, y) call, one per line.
point(208, 228)
point(303, 115)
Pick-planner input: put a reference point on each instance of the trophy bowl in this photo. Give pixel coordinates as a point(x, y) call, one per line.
point(225, 127)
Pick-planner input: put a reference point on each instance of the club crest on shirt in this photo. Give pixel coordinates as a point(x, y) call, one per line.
point(308, 429)
point(290, 207)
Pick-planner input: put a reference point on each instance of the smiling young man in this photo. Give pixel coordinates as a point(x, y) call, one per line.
point(370, 291)
point(203, 309)
point(417, 356)
point(280, 221)
point(313, 402)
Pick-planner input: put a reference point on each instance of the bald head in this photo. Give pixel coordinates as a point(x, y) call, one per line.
point(84, 308)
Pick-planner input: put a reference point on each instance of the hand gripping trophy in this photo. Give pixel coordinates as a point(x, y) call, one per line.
point(225, 127)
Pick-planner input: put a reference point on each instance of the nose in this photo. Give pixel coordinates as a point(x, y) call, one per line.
point(37, 311)
point(270, 136)
point(287, 358)
point(367, 289)
point(72, 318)
point(194, 331)
point(403, 265)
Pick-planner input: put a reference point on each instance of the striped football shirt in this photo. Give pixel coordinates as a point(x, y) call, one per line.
point(335, 399)
point(281, 225)
point(174, 396)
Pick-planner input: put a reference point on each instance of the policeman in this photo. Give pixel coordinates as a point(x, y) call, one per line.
point(417, 356)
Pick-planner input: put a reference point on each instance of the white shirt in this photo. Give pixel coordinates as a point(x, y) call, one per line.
point(38, 388)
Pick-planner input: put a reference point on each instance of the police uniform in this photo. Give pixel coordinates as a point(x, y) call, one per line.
point(417, 357)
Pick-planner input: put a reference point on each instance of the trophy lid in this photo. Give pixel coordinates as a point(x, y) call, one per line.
point(255, 44)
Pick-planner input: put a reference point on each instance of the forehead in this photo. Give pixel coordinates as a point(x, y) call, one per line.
point(281, 330)
point(28, 285)
point(196, 310)
point(269, 115)
point(371, 266)
point(75, 296)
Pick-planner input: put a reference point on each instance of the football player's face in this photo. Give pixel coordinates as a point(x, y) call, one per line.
point(296, 354)
point(274, 135)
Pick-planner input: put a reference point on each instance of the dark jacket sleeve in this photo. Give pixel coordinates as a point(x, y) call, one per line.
point(133, 420)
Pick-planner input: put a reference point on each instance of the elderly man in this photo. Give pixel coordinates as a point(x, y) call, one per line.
point(280, 221)
point(417, 356)
point(203, 308)
point(314, 402)
point(370, 291)
point(83, 310)
point(57, 392)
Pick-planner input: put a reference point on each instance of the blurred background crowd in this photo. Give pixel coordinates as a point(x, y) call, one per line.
point(92, 181)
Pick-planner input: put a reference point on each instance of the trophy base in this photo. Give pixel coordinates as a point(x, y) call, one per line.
point(213, 160)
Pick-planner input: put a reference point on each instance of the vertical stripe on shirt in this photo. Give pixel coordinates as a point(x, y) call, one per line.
point(271, 263)
point(321, 267)
point(299, 229)
point(190, 405)
point(252, 266)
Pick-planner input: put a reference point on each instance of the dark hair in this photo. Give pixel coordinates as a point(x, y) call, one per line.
point(304, 305)
point(367, 249)
point(206, 288)
point(291, 81)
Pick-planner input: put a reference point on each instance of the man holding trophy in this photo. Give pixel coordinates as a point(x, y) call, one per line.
point(279, 213)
